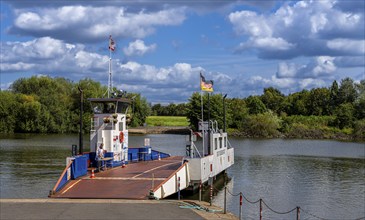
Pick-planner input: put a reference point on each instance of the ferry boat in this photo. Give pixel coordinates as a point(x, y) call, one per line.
point(142, 172)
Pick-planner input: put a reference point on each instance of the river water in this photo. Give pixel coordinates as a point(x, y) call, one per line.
point(325, 178)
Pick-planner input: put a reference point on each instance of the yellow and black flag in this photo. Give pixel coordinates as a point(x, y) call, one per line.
point(206, 85)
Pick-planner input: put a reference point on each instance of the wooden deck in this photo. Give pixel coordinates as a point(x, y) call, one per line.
point(132, 182)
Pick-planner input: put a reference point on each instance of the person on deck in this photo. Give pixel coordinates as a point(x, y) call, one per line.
point(100, 155)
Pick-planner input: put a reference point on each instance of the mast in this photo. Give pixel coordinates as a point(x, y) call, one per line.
point(110, 74)
point(110, 80)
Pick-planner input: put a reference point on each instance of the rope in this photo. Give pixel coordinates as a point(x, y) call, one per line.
point(249, 200)
point(280, 213)
point(232, 193)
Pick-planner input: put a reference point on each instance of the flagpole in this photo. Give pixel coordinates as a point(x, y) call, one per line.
point(202, 122)
point(110, 73)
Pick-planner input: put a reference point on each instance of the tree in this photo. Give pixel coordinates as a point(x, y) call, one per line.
point(214, 108)
point(157, 110)
point(359, 103)
point(344, 115)
point(347, 91)
point(318, 101)
point(297, 103)
point(238, 110)
point(273, 99)
point(8, 111)
point(255, 105)
point(261, 125)
point(333, 102)
point(140, 109)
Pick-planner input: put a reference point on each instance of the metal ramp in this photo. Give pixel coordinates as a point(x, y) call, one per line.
point(135, 181)
point(178, 180)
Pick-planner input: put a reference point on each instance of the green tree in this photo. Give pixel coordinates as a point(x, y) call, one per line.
point(194, 110)
point(214, 108)
point(347, 91)
point(261, 125)
point(359, 103)
point(140, 109)
point(9, 108)
point(333, 102)
point(238, 111)
point(156, 109)
point(344, 115)
point(297, 103)
point(255, 105)
point(273, 99)
point(318, 102)
point(29, 114)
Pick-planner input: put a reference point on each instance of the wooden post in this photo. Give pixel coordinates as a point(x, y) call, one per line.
point(298, 213)
point(178, 188)
point(211, 194)
point(260, 209)
point(240, 217)
point(200, 191)
point(225, 200)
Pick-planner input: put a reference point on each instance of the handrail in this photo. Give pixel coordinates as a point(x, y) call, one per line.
point(229, 144)
point(61, 177)
point(196, 149)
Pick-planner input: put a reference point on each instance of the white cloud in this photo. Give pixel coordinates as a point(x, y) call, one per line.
point(180, 74)
point(90, 24)
point(306, 28)
point(50, 56)
point(311, 83)
point(320, 66)
point(354, 47)
point(138, 48)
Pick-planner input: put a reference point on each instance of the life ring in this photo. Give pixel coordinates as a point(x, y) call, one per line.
point(121, 137)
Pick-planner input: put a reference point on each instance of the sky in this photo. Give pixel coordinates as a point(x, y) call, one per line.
point(162, 46)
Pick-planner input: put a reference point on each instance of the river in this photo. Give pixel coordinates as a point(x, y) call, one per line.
point(325, 178)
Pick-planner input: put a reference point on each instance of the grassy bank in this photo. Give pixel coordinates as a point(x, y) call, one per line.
point(167, 121)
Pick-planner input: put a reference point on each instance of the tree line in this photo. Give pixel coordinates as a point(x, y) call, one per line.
point(52, 105)
point(334, 112)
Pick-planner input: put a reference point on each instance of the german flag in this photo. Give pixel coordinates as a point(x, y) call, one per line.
point(206, 85)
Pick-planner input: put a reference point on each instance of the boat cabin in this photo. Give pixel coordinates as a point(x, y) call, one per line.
point(109, 127)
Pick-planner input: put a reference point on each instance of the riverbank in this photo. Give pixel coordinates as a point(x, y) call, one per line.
point(109, 209)
point(297, 134)
point(159, 130)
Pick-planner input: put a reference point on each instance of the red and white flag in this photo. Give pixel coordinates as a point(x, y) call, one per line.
point(111, 43)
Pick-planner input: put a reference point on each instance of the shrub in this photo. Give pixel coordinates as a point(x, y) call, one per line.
point(359, 130)
point(261, 125)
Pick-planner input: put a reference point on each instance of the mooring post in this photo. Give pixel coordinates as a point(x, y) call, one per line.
point(200, 191)
point(240, 217)
point(211, 194)
point(225, 199)
point(260, 209)
point(178, 188)
point(298, 212)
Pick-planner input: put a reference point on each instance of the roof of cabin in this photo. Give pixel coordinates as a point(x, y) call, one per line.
point(101, 100)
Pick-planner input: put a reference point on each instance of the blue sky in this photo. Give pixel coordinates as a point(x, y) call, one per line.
point(162, 46)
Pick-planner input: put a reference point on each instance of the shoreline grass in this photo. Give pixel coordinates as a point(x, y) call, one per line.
point(179, 121)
